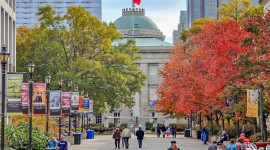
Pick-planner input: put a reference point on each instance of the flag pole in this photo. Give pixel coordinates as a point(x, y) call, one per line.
point(133, 9)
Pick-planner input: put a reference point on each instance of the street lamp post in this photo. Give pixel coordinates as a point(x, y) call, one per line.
point(48, 81)
point(70, 84)
point(4, 58)
point(31, 68)
point(60, 83)
point(85, 95)
point(263, 129)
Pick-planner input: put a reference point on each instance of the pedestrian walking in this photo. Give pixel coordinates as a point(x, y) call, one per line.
point(172, 131)
point(63, 144)
point(173, 146)
point(231, 146)
point(168, 132)
point(117, 137)
point(175, 131)
point(204, 134)
point(163, 129)
point(126, 135)
point(240, 145)
point(213, 146)
point(140, 135)
point(158, 130)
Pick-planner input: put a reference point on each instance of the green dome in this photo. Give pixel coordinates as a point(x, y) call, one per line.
point(140, 21)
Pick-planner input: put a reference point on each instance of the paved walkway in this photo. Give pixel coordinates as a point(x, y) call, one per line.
point(150, 142)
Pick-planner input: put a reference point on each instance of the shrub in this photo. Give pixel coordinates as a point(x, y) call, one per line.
point(149, 125)
point(255, 137)
point(111, 125)
point(17, 137)
point(123, 124)
point(153, 129)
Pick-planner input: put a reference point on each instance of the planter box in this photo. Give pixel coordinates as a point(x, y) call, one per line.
point(70, 139)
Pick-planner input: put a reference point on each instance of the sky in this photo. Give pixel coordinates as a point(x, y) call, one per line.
point(165, 13)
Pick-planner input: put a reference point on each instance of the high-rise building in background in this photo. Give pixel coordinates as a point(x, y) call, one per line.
point(8, 31)
point(181, 25)
point(26, 9)
point(266, 5)
point(205, 9)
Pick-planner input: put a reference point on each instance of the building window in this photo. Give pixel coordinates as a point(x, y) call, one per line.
point(152, 95)
point(98, 118)
point(153, 69)
point(117, 117)
point(153, 114)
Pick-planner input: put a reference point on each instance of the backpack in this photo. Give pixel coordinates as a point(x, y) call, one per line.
point(238, 147)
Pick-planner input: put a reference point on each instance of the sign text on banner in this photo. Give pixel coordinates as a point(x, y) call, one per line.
point(252, 103)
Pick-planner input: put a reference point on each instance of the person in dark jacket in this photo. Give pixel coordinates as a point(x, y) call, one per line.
point(63, 144)
point(158, 131)
point(117, 137)
point(163, 129)
point(140, 135)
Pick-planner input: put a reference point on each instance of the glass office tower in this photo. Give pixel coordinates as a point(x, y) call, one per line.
point(205, 9)
point(26, 9)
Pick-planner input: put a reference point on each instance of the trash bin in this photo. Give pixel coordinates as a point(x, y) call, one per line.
point(77, 138)
point(187, 133)
point(90, 134)
point(199, 133)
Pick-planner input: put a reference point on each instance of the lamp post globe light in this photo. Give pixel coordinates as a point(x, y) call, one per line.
point(31, 68)
point(48, 81)
point(60, 83)
point(4, 58)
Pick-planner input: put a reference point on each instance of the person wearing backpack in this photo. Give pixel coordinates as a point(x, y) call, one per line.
point(52, 143)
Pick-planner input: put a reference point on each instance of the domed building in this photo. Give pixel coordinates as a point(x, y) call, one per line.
point(155, 52)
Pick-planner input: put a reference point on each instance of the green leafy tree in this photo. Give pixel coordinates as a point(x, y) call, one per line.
point(78, 46)
point(237, 9)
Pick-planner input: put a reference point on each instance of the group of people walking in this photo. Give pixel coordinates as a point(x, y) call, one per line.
point(166, 131)
point(125, 136)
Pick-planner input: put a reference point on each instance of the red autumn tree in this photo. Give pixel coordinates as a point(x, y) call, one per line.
point(198, 78)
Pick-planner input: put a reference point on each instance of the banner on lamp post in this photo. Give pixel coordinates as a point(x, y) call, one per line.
point(91, 105)
point(74, 101)
point(86, 105)
point(25, 98)
point(81, 104)
point(14, 93)
point(39, 99)
point(55, 103)
point(66, 96)
point(252, 103)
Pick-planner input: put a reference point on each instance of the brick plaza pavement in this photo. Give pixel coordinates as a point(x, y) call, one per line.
point(150, 142)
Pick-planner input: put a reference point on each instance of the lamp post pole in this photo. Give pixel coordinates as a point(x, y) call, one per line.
point(4, 58)
point(31, 68)
point(70, 83)
point(60, 83)
point(261, 115)
point(48, 81)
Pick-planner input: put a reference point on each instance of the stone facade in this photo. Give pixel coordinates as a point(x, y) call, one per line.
point(155, 52)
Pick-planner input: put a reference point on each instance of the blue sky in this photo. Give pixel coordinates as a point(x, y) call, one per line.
point(165, 13)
